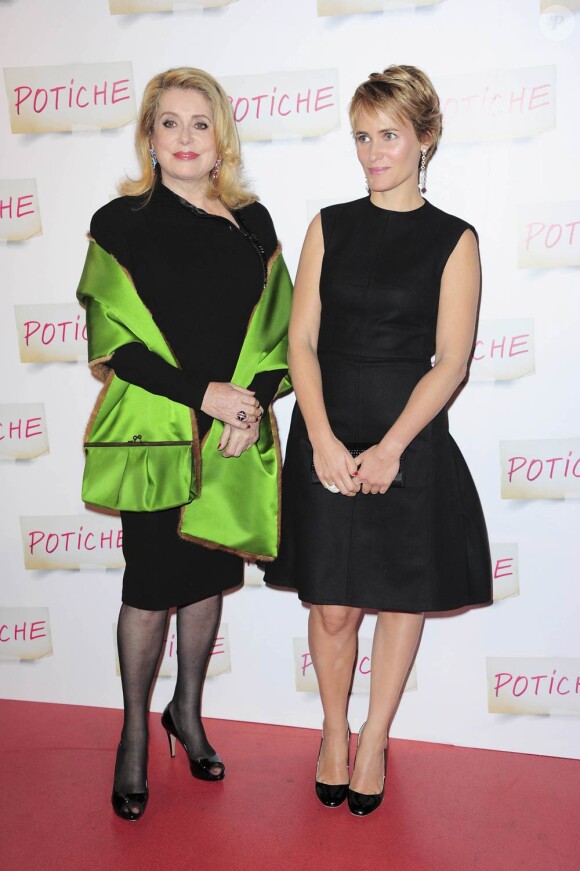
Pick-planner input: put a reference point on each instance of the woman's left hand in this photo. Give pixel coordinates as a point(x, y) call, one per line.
point(376, 469)
point(234, 442)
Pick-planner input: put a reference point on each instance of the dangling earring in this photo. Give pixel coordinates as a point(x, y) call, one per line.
point(216, 169)
point(153, 157)
point(423, 171)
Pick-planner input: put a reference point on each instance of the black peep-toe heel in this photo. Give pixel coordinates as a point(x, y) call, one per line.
point(123, 802)
point(201, 766)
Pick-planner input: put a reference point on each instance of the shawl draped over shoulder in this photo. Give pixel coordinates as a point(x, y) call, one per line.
point(143, 451)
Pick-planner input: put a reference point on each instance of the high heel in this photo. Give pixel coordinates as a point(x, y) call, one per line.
point(123, 802)
point(201, 766)
point(360, 804)
point(330, 794)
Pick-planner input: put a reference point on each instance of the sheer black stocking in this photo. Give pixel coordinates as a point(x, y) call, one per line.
point(140, 637)
point(197, 625)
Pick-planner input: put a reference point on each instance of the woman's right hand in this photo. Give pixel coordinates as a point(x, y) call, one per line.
point(335, 465)
point(225, 401)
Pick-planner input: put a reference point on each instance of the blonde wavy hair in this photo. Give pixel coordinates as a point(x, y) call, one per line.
point(229, 185)
point(408, 93)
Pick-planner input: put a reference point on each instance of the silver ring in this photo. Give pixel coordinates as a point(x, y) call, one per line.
point(332, 488)
point(241, 415)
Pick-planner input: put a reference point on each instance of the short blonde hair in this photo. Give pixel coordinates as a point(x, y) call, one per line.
point(406, 92)
point(229, 185)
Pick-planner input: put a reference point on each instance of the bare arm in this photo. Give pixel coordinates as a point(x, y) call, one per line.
point(454, 340)
point(333, 463)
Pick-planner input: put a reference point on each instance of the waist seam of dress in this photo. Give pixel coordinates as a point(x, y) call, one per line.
point(369, 358)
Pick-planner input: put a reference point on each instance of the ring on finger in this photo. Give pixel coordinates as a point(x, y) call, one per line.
point(241, 415)
point(332, 488)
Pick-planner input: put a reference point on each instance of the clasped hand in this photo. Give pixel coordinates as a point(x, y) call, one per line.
point(372, 471)
point(224, 401)
point(376, 469)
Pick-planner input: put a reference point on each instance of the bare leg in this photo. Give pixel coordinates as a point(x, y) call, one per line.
point(332, 635)
point(140, 639)
point(395, 644)
point(197, 625)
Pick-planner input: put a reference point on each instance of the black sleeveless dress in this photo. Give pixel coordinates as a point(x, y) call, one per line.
point(423, 547)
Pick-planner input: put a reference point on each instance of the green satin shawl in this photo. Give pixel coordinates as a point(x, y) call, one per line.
point(142, 450)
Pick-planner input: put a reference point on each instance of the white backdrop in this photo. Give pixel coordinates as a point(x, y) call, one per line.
point(505, 677)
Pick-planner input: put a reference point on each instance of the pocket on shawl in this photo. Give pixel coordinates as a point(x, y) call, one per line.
point(139, 475)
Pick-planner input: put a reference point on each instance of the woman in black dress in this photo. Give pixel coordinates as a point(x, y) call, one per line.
point(384, 283)
point(196, 246)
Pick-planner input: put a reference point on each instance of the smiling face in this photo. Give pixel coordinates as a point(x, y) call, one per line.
point(389, 152)
point(184, 140)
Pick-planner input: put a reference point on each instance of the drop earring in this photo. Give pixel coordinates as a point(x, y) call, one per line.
point(423, 171)
point(153, 157)
point(216, 169)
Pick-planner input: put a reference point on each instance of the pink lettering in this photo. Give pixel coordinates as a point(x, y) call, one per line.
point(323, 98)
point(56, 91)
point(558, 228)
point(300, 100)
point(241, 100)
point(52, 537)
point(219, 642)
point(572, 225)
point(517, 344)
point(100, 92)
point(513, 469)
point(19, 100)
point(539, 92)
point(283, 98)
point(46, 332)
point(532, 234)
point(495, 345)
point(15, 428)
point(553, 461)
point(28, 332)
point(306, 662)
point(36, 630)
point(560, 682)
point(500, 684)
point(529, 475)
point(117, 89)
point(500, 565)
point(517, 99)
point(538, 678)
point(365, 665)
point(77, 100)
point(35, 537)
point(22, 203)
point(43, 94)
point(524, 680)
point(259, 99)
point(6, 206)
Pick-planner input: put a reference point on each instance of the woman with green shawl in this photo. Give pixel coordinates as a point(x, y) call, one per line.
point(187, 301)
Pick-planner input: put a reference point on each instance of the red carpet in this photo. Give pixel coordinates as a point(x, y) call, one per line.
point(446, 808)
